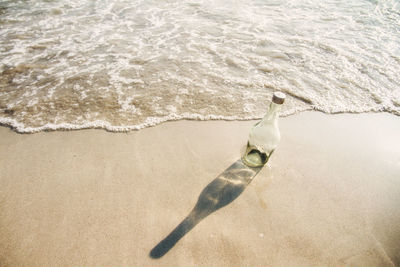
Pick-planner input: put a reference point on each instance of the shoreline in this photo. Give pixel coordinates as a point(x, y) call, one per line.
point(91, 198)
point(104, 125)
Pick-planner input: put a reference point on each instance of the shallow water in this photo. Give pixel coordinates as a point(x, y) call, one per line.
point(125, 65)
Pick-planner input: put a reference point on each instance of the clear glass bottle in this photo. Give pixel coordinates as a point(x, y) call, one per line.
point(264, 136)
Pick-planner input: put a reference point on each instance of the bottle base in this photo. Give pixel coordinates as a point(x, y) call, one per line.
point(254, 158)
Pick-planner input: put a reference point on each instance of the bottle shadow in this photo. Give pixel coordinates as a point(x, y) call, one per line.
point(217, 194)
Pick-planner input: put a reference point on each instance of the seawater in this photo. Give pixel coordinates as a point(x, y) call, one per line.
point(123, 65)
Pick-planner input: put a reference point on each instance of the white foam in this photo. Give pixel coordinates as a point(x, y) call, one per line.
point(174, 60)
point(99, 124)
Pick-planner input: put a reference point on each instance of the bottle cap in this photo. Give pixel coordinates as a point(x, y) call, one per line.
point(278, 98)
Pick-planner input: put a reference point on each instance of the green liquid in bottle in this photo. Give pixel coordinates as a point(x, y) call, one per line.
point(254, 158)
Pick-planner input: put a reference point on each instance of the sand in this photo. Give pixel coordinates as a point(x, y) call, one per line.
point(330, 195)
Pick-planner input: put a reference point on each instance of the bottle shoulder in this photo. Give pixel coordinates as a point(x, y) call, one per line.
point(265, 127)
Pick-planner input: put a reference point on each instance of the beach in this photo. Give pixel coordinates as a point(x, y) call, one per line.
point(123, 123)
point(329, 195)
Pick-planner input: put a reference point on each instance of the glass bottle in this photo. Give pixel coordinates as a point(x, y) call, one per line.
point(264, 136)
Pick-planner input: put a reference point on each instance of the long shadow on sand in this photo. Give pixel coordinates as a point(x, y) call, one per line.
point(217, 194)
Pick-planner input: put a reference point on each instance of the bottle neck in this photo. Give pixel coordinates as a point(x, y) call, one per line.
point(272, 114)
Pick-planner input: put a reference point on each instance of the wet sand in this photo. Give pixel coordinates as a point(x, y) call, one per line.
point(329, 196)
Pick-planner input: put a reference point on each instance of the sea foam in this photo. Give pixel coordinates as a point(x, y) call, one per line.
point(126, 65)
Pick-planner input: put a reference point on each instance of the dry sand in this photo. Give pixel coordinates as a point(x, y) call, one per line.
point(329, 197)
